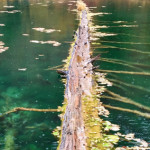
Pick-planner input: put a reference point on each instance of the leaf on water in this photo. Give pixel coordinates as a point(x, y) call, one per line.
point(99, 14)
point(2, 25)
point(2, 48)
point(128, 26)
point(22, 69)
point(25, 34)
point(11, 12)
point(119, 21)
point(93, 28)
point(2, 43)
point(34, 41)
point(92, 7)
point(46, 30)
point(41, 55)
point(8, 6)
point(54, 43)
point(93, 39)
point(100, 34)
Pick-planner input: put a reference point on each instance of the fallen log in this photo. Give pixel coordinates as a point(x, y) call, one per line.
point(79, 130)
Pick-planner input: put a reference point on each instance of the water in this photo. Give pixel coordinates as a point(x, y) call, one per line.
point(26, 82)
point(24, 78)
point(127, 50)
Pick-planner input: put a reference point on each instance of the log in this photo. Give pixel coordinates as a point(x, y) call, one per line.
point(81, 125)
point(73, 128)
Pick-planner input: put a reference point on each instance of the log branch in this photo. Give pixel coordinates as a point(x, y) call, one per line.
point(28, 109)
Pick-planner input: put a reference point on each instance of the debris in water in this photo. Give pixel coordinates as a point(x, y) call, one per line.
point(34, 41)
point(2, 43)
point(1, 34)
point(128, 26)
point(8, 6)
point(100, 34)
point(46, 30)
point(25, 34)
point(2, 25)
point(99, 14)
point(11, 12)
point(22, 69)
point(54, 43)
point(2, 48)
point(119, 21)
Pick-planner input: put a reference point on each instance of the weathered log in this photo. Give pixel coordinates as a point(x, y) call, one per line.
point(81, 112)
point(73, 132)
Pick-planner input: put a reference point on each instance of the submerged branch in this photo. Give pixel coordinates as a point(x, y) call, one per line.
point(29, 109)
point(146, 115)
point(125, 100)
point(129, 85)
point(125, 72)
point(123, 48)
point(55, 67)
point(119, 62)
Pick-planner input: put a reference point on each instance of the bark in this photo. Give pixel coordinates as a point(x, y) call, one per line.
point(79, 83)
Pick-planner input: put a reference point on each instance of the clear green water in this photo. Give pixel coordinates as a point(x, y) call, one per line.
point(132, 34)
point(39, 88)
point(36, 87)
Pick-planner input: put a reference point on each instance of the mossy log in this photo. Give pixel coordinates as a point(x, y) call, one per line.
point(79, 82)
point(79, 130)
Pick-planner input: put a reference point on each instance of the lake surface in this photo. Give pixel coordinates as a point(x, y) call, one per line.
point(28, 48)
